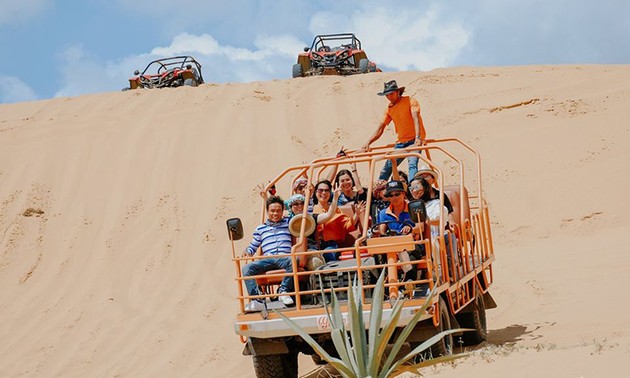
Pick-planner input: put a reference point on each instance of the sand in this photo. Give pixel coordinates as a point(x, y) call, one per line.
point(114, 258)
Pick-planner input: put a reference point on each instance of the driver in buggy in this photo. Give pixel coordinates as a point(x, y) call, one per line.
point(396, 220)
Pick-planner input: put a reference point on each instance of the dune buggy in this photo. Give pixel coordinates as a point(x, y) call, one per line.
point(168, 72)
point(333, 54)
point(459, 273)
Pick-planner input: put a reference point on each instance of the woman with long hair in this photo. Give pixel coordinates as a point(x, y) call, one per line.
point(334, 232)
point(350, 184)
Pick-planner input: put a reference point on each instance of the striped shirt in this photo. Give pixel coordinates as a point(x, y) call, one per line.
point(274, 237)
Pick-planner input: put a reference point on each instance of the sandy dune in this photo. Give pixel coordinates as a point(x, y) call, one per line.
point(114, 260)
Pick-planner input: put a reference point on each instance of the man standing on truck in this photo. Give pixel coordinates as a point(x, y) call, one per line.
point(274, 238)
point(405, 112)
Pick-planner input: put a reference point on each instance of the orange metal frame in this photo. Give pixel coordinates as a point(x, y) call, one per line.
point(475, 255)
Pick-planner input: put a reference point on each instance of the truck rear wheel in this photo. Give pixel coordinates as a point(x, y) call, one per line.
point(443, 347)
point(476, 319)
point(276, 365)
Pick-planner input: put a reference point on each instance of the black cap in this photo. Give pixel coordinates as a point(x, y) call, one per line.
point(394, 186)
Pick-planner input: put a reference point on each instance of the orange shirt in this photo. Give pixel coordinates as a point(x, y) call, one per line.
point(337, 228)
point(400, 113)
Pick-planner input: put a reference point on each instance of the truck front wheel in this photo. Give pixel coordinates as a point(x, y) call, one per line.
point(276, 365)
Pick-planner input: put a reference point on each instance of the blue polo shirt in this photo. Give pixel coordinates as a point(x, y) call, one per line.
point(388, 215)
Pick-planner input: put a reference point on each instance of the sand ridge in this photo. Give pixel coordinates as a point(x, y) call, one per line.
point(114, 259)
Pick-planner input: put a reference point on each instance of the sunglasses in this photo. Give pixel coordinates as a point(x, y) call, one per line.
point(323, 190)
point(394, 194)
point(416, 188)
point(297, 204)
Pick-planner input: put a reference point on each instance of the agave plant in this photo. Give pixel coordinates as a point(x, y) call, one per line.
point(361, 355)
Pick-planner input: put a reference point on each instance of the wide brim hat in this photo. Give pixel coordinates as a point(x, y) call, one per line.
point(296, 222)
point(390, 87)
point(424, 169)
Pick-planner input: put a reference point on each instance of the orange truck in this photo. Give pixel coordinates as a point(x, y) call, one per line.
point(460, 271)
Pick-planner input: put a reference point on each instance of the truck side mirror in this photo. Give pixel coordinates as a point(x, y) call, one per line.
point(136, 72)
point(235, 229)
point(306, 49)
point(418, 211)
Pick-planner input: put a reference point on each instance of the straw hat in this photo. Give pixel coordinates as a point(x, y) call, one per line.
point(296, 222)
point(424, 169)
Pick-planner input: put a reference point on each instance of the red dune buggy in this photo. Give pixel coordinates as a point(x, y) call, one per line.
point(168, 72)
point(333, 54)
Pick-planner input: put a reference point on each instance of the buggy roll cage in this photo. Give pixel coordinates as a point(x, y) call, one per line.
point(180, 62)
point(320, 41)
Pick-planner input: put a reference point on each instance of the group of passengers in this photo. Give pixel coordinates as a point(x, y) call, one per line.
point(334, 227)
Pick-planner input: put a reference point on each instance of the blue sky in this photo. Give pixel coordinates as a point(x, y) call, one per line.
point(52, 48)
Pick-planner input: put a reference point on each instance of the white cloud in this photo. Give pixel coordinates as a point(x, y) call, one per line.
point(418, 39)
point(13, 89)
point(271, 58)
point(206, 45)
point(16, 11)
point(82, 73)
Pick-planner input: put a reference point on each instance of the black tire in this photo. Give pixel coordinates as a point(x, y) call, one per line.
point(189, 82)
point(276, 365)
point(443, 347)
point(318, 360)
point(297, 70)
point(364, 65)
point(475, 320)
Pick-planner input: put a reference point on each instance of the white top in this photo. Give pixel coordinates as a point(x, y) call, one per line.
point(433, 212)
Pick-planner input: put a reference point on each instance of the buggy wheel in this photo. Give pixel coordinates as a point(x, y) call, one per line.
point(444, 347)
point(363, 65)
point(189, 82)
point(476, 319)
point(297, 70)
point(276, 365)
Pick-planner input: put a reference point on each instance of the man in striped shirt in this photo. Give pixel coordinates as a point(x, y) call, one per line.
point(274, 238)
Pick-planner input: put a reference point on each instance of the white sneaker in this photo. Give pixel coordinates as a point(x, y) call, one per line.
point(286, 299)
point(254, 306)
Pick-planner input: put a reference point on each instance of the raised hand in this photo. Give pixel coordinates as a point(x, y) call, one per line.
point(337, 193)
point(261, 190)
